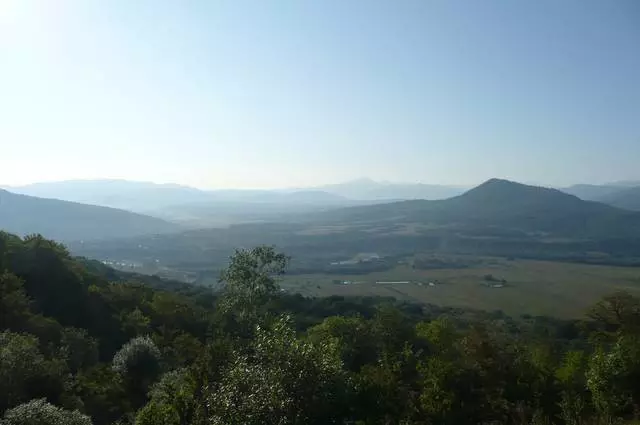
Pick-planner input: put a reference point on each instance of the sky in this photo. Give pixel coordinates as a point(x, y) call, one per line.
point(291, 93)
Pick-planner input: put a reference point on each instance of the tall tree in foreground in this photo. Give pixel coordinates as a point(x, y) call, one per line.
point(249, 282)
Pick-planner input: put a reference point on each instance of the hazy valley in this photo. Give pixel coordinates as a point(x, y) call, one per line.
point(188, 234)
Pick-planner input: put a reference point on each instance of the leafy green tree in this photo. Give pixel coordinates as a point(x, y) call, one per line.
point(173, 311)
point(179, 349)
point(619, 311)
point(138, 359)
point(139, 363)
point(104, 395)
point(78, 349)
point(172, 401)
point(574, 397)
point(612, 378)
point(24, 371)
point(39, 412)
point(157, 414)
point(282, 380)
point(250, 278)
point(384, 390)
point(391, 330)
point(135, 323)
point(354, 336)
point(14, 303)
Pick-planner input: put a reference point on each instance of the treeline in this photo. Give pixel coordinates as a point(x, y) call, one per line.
point(82, 344)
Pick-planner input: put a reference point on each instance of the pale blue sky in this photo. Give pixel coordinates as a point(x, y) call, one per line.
point(301, 92)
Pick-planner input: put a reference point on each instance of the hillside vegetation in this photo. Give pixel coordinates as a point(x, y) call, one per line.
point(133, 352)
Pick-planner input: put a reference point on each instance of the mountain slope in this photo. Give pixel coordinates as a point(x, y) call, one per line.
point(504, 204)
point(66, 221)
point(628, 199)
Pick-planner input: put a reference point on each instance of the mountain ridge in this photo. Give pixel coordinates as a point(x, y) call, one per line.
point(499, 202)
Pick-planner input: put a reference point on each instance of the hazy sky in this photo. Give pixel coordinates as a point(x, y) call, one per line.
point(300, 92)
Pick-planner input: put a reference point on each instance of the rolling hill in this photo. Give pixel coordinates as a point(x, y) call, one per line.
point(507, 205)
point(67, 221)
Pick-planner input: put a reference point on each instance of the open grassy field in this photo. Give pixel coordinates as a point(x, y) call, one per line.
point(563, 290)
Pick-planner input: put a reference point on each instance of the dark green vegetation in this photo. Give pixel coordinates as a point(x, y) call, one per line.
point(72, 221)
point(81, 343)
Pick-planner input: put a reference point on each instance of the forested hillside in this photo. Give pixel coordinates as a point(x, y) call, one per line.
point(82, 344)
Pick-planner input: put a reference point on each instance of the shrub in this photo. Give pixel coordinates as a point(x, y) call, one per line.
point(39, 412)
point(138, 359)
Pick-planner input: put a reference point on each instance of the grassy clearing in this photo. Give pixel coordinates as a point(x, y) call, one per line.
point(533, 287)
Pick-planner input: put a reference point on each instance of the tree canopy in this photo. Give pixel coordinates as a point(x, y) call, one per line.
point(81, 345)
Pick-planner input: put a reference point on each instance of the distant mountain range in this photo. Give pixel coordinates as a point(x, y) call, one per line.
point(66, 221)
point(193, 207)
point(144, 196)
point(129, 195)
point(367, 189)
point(628, 198)
point(591, 192)
point(200, 208)
point(624, 195)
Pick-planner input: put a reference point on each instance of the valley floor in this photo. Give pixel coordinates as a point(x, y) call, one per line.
point(562, 290)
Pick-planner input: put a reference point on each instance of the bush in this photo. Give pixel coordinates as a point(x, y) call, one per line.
point(39, 412)
point(138, 362)
point(138, 359)
point(21, 366)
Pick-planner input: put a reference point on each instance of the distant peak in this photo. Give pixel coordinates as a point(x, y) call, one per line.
point(494, 182)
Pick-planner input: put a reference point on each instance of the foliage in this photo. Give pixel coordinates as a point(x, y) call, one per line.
point(138, 359)
point(24, 371)
point(283, 380)
point(135, 350)
point(39, 412)
point(249, 279)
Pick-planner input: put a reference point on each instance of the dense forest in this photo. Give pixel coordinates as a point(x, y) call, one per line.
point(83, 344)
